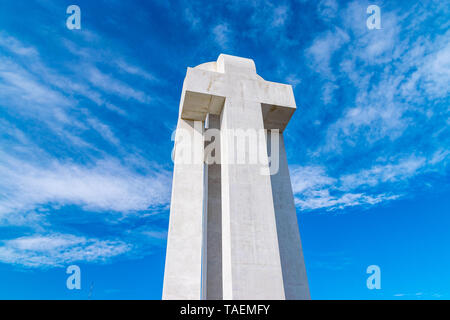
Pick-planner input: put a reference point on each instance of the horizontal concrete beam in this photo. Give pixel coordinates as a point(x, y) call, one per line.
point(276, 117)
point(197, 105)
point(205, 92)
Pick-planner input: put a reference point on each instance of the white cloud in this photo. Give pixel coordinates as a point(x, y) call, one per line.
point(323, 200)
point(104, 130)
point(15, 46)
point(134, 70)
point(327, 9)
point(293, 79)
point(309, 177)
point(280, 15)
point(322, 50)
point(21, 87)
point(112, 85)
point(191, 17)
point(432, 73)
point(383, 173)
point(56, 250)
point(315, 189)
point(222, 35)
point(105, 186)
point(366, 122)
point(328, 90)
point(439, 156)
point(424, 295)
point(378, 46)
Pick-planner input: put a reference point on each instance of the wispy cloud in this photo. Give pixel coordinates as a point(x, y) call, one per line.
point(315, 189)
point(105, 186)
point(191, 17)
point(323, 48)
point(114, 86)
point(15, 46)
point(420, 295)
point(335, 261)
point(328, 9)
point(222, 35)
point(56, 250)
point(135, 70)
point(322, 199)
point(280, 15)
point(384, 173)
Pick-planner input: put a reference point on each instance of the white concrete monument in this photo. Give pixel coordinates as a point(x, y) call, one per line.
point(233, 231)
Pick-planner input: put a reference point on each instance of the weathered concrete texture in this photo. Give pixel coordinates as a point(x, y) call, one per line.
point(251, 242)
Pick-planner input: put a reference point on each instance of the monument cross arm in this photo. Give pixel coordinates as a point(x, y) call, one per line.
point(207, 86)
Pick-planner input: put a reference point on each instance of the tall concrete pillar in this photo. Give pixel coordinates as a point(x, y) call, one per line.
point(184, 264)
point(251, 260)
point(291, 252)
point(213, 279)
point(233, 230)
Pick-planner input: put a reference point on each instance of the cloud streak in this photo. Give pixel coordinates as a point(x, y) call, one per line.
point(58, 250)
point(315, 189)
point(104, 186)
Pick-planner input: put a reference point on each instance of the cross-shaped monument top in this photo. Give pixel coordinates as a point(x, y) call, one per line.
point(207, 86)
point(233, 231)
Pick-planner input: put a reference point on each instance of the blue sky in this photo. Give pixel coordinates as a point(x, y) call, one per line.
point(86, 118)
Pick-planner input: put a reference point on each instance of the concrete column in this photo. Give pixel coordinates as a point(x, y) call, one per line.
point(214, 222)
point(289, 242)
point(251, 261)
point(183, 271)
